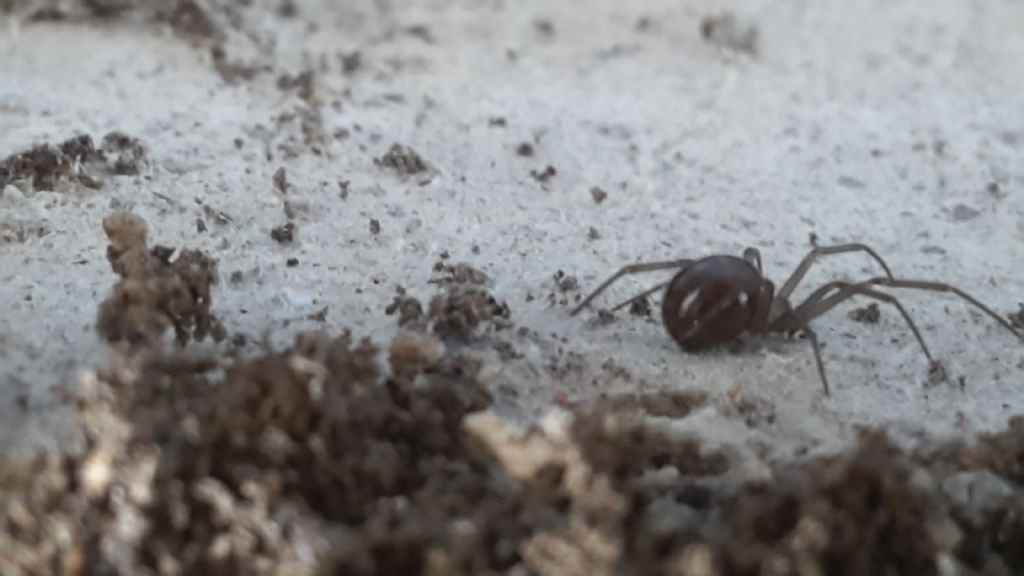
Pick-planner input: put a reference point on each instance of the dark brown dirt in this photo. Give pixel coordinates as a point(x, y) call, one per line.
point(409, 310)
point(402, 160)
point(459, 310)
point(730, 32)
point(640, 307)
point(284, 234)
point(155, 293)
point(1017, 318)
point(311, 461)
point(74, 161)
point(869, 314)
point(545, 175)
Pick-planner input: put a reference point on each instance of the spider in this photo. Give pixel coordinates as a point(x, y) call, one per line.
point(713, 300)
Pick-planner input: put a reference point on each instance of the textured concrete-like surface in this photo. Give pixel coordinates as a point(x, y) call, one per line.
point(894, 124)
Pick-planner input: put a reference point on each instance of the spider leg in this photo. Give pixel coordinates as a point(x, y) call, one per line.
point(812, 256)
point(943, 287)
point(802, 323)
point(753, 256)
point(631, 269)
point(643, 294)
point(817, 305)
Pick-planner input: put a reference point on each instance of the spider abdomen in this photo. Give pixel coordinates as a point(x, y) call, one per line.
point(711, 302)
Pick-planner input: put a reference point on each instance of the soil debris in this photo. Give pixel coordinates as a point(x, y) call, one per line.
point(155, 293)
point(403, 160)
point(640, 307)
point(964, 213)
point(459, 273)
point(544, 175)
point(315, 459)
point(350, 62)
point(565, 282)
point(937, 373)
point(598, 194)
point(74, 161)
point(460, 309)
point(409, 310)
point(284, 234)
point(728, 31)
point(870, 314)
point(280, 180)
point(1016, 319)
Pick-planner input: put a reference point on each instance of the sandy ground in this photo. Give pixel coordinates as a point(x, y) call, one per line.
point(895, 124)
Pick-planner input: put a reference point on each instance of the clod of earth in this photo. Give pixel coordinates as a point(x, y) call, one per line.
point(870, 314)
point(403, 160)
point(155, 293)
point(728, 31)
point(544, 175)
point(1017, 318)
point(75, 161)
point(284, 234)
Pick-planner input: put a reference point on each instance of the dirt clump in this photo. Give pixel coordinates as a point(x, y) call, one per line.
point(316, 460)
point(155, 293)
point(403, 160)
point(730, 32)
point(640, 307)
point(464, 303)
point(308, 460)
point(409, 309)
point(545, 175)
point(1016, 319)
point(869, 314)
point(74, 161)
point(283, 234)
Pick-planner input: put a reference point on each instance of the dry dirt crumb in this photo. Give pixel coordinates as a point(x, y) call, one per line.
point(403, 160)
point(728, 31)
point(155, 293)
point(1016, 319)
point(565, 282)
point(937, 373)
point(640, 307)
point(284, 234)
point(869, 314)
point(544, 175)
point(460, 309)
point(18, 231)
point(598, 194)
point(280, 180)
point(410, 310)
point(76, 161)
point(668, 404)
point(312, 460)
point(459, 273)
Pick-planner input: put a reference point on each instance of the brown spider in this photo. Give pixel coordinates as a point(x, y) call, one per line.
point(713, 300)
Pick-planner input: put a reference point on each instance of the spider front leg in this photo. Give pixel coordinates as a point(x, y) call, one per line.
point(627, 270)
